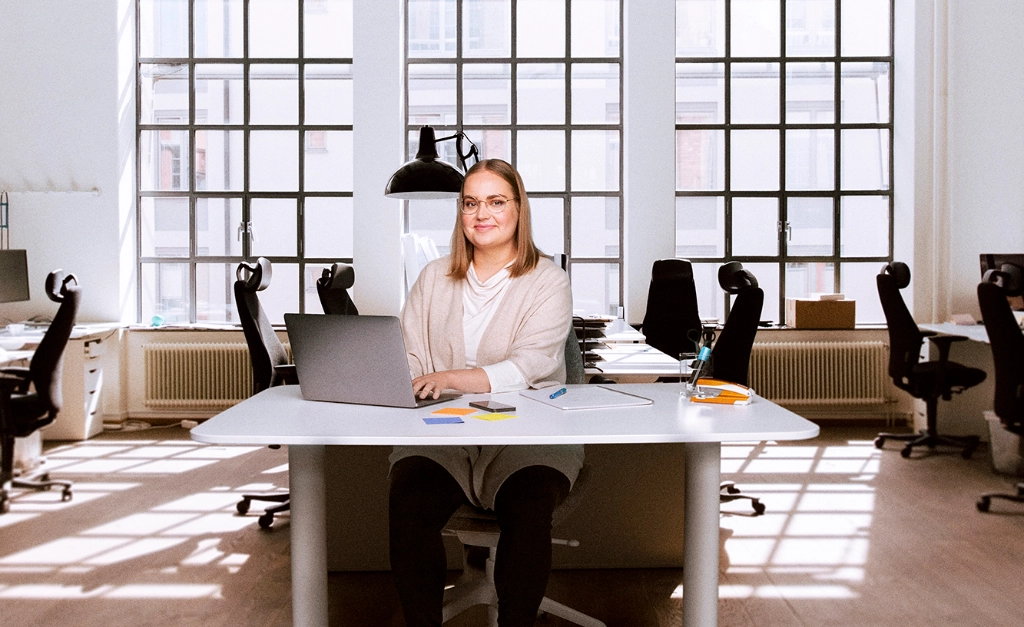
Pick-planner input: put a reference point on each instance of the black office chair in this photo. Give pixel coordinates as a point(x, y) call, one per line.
point(23, 411)
point(730, 359)
point(1007, 343)
point(268, 358)
point(332, 288)
point(672, 322)
point(926, 380)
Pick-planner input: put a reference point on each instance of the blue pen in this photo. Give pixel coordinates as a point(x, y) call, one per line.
point(558, 393)
point(702, 359)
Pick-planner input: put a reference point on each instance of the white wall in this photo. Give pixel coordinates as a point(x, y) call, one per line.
point(59, 130)
point(986, 139)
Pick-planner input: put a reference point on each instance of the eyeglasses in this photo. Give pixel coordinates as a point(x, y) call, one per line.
point(496, 204)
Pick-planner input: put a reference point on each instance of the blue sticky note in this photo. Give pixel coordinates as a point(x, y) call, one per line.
point(443, 420)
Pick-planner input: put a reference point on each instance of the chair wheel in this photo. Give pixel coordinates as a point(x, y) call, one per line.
point(243, 507)
point(905, 453)
point(758, 508)
point(5, 505)
point(879, 442)
point(65, 495)
point(266, 521)
point(983, 504)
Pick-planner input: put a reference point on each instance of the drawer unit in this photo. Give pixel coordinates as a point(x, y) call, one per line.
point(81, 383)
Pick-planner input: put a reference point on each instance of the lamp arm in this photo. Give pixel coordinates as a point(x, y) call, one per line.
point(463, 155)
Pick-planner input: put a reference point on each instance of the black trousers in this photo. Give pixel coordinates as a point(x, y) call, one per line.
point(423, 497)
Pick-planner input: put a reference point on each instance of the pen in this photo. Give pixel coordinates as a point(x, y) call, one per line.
point(558, 393)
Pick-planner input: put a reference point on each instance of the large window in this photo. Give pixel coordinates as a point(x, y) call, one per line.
point(537, 83)
point(784, 126)
point(244, 150)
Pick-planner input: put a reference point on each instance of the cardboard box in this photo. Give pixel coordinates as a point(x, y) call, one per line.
point(805, 313)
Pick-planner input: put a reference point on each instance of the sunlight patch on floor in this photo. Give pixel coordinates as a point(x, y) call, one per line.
point(813, 540)
point(185, 533)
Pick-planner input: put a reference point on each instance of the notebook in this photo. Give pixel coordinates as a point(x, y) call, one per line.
point(586, 397)
point(353, 359)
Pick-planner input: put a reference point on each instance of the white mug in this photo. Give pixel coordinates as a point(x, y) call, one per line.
point(15, 329)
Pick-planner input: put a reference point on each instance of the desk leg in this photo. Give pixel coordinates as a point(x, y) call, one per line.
point(700, 540)
point(309, 535)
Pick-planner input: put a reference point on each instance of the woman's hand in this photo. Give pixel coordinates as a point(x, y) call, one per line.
point(471, 380)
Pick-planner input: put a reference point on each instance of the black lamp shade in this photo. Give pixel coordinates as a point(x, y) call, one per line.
point(426, 176)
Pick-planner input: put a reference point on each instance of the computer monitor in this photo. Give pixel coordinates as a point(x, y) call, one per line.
point(13, 276)
point(991, 261)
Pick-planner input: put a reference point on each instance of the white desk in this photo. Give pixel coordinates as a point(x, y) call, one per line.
point(964, 414)
point(634, 363)
point(280, 416)
point(975, 332)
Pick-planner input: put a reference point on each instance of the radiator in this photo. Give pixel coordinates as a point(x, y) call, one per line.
point(196, 375)
point(821, 373)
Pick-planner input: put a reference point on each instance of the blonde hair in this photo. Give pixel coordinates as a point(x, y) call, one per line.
point(526, 251)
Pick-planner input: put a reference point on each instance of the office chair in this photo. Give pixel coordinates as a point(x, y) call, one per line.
point(478, 528)
point(1007, 343)
point(926, 380)
point(268, 359)
point(332, 288)
point(672, 323)
point(22, 411)
point(730, 359)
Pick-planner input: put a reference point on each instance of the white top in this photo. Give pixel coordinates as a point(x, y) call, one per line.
point(480, 301)
point(279, 415)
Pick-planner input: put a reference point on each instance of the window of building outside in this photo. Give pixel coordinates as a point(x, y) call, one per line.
point(784, 127)
point(537, 83)
point(244, 150)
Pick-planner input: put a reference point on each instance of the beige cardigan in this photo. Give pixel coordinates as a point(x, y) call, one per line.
point(529, 329)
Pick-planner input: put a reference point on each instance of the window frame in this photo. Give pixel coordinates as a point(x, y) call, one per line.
point(245, 194)
point(567, 194)
point(785, 257)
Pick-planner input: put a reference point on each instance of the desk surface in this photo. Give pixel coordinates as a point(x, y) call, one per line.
point(279, 416)
point(974, 332)
point(276, 418)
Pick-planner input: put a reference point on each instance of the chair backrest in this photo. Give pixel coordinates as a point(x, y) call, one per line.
point(574, 369)
point(45, 369)
point(265, 349)
point(1007, 343)
point(332, 288)
point(730, 359)
point(672, 323)
point(905, 338)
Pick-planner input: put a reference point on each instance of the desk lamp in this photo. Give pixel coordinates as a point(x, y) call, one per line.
point(426, 176)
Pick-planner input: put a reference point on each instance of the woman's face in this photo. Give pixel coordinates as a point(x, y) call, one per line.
point(486, 229)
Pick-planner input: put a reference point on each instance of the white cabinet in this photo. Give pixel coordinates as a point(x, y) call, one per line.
point(81, 417)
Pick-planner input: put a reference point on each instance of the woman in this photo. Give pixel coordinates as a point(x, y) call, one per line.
point(491, 317)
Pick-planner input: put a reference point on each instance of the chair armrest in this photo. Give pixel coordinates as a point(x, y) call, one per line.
point(289, 376)
point(943, 341)
point(9, 385)
point(19, 374)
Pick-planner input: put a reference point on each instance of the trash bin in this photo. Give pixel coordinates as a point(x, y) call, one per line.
point(1007, 448)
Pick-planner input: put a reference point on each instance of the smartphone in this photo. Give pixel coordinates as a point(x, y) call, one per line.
point(493, 406)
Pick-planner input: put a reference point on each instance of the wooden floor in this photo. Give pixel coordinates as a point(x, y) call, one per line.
point(852, 536)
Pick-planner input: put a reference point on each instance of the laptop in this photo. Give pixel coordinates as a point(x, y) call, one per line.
point(353, 359)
